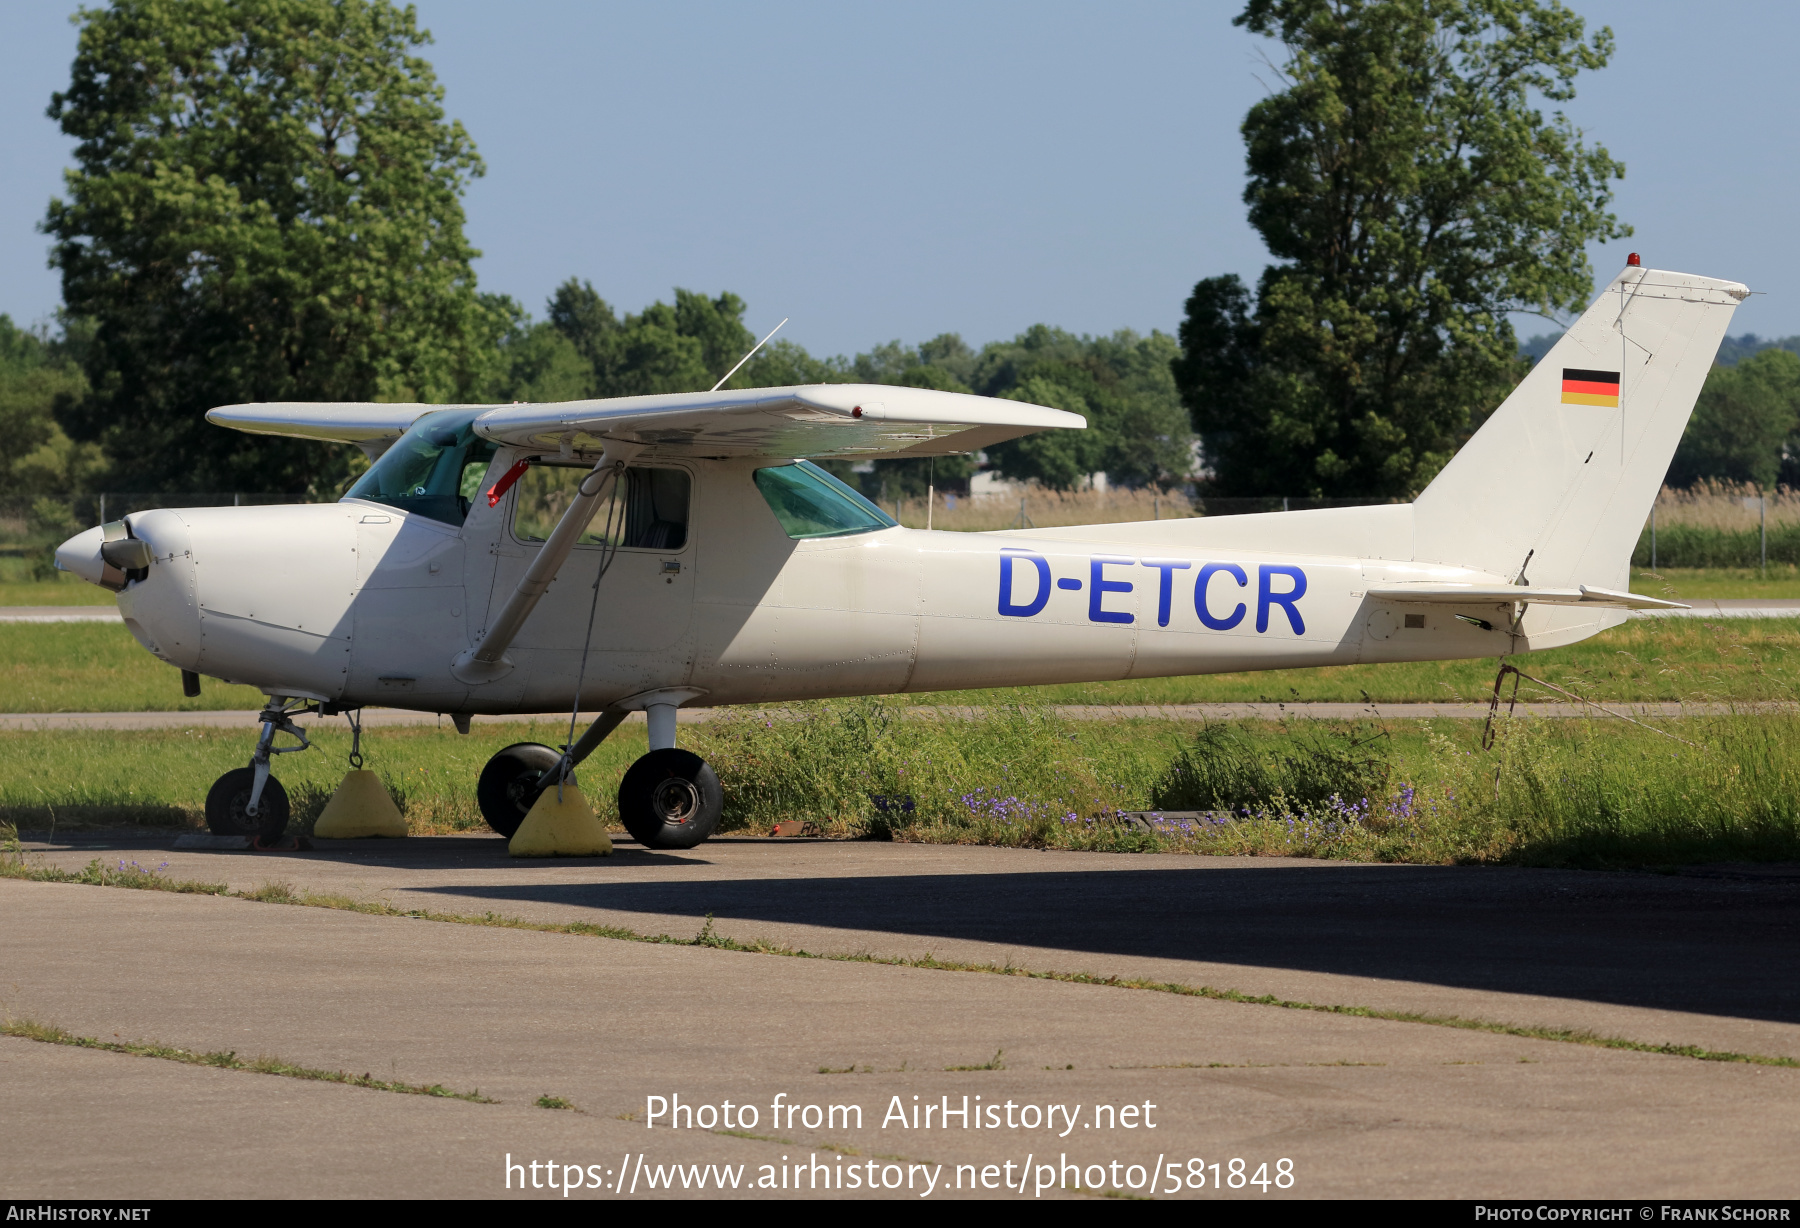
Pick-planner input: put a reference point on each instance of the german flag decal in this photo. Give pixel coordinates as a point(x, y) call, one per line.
point(1590, 387)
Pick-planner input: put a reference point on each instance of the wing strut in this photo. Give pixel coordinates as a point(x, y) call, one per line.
point(487, 662)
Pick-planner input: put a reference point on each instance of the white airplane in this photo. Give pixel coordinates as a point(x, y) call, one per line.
point(644, 553)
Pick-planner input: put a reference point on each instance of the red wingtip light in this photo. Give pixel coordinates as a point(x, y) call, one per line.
point(857, 412)
point(1632, 261)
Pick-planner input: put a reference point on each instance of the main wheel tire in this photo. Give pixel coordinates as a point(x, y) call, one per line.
point(670, 799)
point(228, 801)
point(508, 784)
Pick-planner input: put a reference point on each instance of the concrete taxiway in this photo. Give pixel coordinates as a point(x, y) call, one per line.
point(1361, 1106)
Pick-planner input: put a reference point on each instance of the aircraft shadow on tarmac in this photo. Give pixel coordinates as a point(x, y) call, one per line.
point(1715, 947)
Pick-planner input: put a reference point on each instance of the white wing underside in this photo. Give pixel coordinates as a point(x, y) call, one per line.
point(847, 421)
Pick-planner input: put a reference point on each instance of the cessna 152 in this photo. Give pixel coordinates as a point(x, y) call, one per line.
point(643, 553)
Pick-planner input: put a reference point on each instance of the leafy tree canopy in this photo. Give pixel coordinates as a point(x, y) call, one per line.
point(1746, 424)
point(583, 349)
point(266, 205)
point(1137, 430)
point(38, 377)
point(1734, 350)
point(1412, 194)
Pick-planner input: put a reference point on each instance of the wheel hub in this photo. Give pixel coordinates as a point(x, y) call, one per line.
point(675, 800)
point(523, 791)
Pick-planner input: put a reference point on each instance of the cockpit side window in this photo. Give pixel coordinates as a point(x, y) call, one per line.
point(434, 470)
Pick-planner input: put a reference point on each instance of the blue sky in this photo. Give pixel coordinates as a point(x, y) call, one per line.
point(881, 172)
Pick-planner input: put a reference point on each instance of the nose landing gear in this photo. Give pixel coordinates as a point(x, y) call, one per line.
point(247, 801)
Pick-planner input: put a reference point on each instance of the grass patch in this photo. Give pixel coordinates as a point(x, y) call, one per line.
point(1570, 792)
point(98, 667)
point(1780, 582)
point(72, 778)
point(17, 587)
point(98, 874)
point(225, 1060)
point(1578, 792)
point(12, 865)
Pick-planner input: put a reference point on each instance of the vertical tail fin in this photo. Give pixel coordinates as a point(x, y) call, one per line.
point(1565, 471)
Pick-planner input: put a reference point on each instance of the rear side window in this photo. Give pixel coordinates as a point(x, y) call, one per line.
point(655, 506)
point(811, 503)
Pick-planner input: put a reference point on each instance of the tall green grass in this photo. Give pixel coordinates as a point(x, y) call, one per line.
point(1551, 792)
point(1565, 792)
point(1017, 774)
point(69, 778)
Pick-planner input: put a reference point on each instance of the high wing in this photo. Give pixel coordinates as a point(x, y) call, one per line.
point(813, 420)
point(363, 423)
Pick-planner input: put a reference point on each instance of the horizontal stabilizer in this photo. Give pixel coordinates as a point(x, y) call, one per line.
point(1480, 594)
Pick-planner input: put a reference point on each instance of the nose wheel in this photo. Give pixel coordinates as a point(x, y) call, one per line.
point(247, 801)
point(228, 806)
point(670, 799)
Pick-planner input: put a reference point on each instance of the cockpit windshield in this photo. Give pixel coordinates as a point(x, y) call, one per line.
point(809, 502)
point(433, 470)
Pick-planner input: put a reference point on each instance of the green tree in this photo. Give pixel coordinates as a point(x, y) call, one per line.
point(265, 206)
point(583, 348)
point(1745, 419)
point(1412, 195)
point(38, 377)
point(1137, 431)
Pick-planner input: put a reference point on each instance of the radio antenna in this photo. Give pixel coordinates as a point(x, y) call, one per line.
point(746, 358)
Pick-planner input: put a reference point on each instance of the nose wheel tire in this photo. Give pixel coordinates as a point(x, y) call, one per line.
point(228, 802)
point(670, 799)
point(508, 784)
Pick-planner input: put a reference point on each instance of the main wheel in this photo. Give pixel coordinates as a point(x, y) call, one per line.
point(509, 784)
point(228, 806)
point(670, 799)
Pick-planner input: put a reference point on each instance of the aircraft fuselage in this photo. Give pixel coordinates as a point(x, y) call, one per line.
point(361, 603)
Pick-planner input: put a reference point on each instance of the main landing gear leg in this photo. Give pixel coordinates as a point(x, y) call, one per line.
point(670, 798)
point(248, 801)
